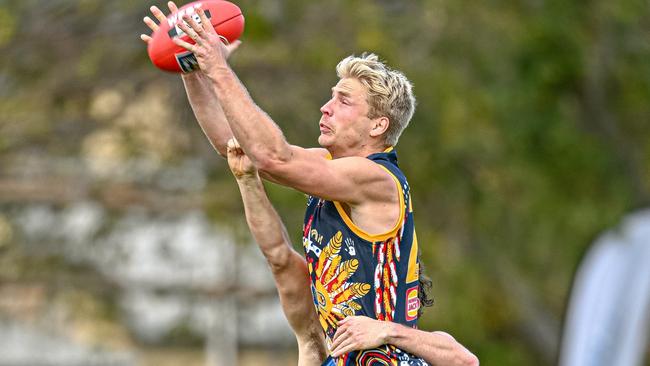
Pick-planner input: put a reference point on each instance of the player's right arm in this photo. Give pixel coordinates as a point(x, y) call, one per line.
point(288, 267)
point(200, 93)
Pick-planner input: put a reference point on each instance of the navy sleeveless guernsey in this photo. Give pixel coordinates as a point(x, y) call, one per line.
point(355, 273)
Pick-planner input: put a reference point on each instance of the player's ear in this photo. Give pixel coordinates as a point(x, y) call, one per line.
point(379, 126)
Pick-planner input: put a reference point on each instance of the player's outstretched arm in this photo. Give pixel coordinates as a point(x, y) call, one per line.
point(254, 130)
point(437, 348)
point(200, 93)
point(207, 110)
point(262, 140)
point(288, 267)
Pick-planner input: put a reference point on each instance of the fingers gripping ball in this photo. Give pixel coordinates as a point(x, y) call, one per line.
point(226, 18)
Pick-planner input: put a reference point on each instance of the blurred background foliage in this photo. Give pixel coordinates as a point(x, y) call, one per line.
point(530, 138)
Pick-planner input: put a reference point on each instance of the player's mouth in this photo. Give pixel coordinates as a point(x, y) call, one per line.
point(324, 128)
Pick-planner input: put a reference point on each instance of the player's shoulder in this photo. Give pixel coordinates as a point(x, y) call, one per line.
point(340, 161)
point(319, 151)
point(351, 165)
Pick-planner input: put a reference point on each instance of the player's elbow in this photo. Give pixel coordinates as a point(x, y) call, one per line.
point(265, 164)
point(270, 165)
point(461, 355)
point(273, 162)
point(278, 257)
point(465, 357)
point(470, 360)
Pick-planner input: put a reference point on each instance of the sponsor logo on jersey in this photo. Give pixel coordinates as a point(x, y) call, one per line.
point(412, 303)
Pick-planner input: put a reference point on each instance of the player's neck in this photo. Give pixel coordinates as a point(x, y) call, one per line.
point(361, 151)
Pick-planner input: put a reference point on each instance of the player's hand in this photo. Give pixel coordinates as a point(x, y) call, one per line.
point(160, 16)
point(240, 165)
point(357, 333)
point(209, 49)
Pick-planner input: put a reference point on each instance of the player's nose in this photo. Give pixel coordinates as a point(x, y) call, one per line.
point(327, 108)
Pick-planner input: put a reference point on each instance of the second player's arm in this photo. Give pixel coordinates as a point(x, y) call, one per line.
point(289, 270)
point(437, 348)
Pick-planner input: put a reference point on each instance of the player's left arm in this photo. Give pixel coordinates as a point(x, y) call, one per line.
point(437, 348)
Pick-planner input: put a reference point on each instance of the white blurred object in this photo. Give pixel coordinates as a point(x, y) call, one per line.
point(608, 318)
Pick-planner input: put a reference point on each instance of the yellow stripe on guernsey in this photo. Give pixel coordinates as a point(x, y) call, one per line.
point(376, 237)
point(329, 156)
point(413, 272)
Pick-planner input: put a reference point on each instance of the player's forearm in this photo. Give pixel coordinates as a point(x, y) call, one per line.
point(259, 136)
point(264, 222)
point(437, 348)
point(207, 110)
point(293, 284)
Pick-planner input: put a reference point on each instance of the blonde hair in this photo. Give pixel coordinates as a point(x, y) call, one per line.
point(390, 93)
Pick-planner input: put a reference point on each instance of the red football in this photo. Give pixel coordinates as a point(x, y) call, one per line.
point(224, 16)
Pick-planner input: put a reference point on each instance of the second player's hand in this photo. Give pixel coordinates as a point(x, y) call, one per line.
point(359, 332)
point(240, 165)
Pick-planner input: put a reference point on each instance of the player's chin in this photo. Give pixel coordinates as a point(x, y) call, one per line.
point(325, 140)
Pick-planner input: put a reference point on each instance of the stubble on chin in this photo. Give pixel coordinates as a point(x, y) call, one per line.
point(323, 140)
